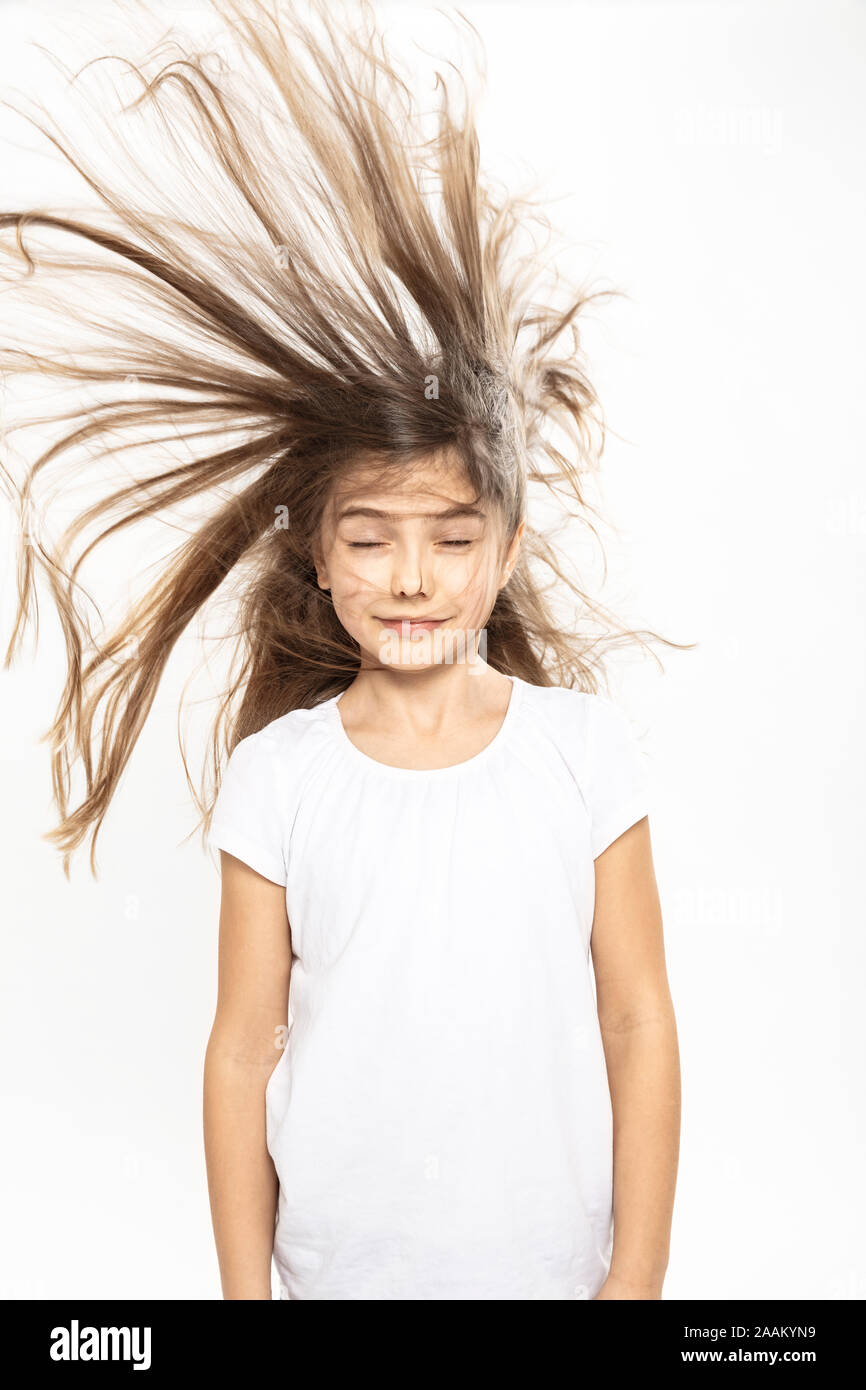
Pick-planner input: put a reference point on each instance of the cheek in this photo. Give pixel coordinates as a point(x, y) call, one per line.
point(357, 586)
point(472, 581)
point(354, 576)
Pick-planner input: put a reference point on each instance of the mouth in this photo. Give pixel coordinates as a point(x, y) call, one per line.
point(407, 626)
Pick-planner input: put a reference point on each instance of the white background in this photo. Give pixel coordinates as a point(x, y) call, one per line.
point(708, 159)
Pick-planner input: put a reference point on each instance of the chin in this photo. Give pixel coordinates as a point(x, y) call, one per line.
point(407, 663)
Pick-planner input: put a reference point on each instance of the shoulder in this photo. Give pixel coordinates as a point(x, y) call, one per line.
point(598, 742)
point(569, 702)
point(589, 729)
point(568, 710)
point(259, 792)
point(284, 737)
point(275, 760)
point(558, 698)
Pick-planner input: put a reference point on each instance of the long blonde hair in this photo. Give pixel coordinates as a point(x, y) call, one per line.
point(353, 293)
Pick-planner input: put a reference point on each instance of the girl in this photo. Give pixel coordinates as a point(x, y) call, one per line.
point(443, 1063)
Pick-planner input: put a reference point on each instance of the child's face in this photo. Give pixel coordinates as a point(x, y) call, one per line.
point(418, 551)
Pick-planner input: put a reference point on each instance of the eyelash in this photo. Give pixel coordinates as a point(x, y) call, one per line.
point(372, 545)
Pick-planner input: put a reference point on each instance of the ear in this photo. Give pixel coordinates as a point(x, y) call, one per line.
point(512, 554)
point(320, 567)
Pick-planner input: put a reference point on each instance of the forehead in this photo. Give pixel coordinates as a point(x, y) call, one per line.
point(426, 488)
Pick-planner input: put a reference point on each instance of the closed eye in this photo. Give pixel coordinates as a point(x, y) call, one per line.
point(371, 545)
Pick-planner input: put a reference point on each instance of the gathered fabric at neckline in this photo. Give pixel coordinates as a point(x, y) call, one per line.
point(335, 724)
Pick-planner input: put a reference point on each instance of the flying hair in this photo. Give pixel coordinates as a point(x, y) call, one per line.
point(300, 271)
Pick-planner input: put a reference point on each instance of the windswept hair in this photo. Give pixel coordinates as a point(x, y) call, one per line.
point(299, 276)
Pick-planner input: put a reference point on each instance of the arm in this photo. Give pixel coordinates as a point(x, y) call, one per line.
point(243, 1049)
point(642, 1057)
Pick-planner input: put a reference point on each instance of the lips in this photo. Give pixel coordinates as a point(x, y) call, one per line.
point(411, 625)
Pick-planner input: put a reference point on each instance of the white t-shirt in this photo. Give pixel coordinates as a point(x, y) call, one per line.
point(440, 1119)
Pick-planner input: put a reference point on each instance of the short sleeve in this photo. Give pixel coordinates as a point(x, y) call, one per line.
point(618, 784)
point(247, 818)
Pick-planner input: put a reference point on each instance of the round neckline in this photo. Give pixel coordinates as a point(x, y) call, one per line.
point(437, 773)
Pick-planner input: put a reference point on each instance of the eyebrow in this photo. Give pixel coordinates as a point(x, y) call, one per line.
point(449, 514)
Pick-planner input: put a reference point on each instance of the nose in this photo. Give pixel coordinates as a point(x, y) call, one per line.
point(410, 573)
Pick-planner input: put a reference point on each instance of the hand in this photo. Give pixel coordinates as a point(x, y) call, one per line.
point(616, 1287)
